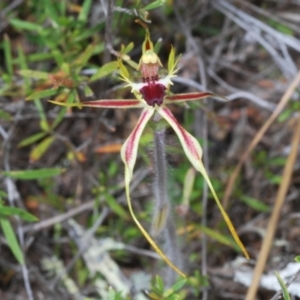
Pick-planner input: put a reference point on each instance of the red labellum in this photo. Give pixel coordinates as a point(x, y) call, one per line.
point(153, 93)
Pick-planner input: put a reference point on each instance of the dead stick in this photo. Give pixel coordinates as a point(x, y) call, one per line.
point(285, 98)
point(267, 242)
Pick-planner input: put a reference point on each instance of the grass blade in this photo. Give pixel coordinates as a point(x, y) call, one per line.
point(34, 174)
point(12, 240)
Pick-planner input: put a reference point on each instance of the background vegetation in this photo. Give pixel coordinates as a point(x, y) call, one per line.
point(65, 231)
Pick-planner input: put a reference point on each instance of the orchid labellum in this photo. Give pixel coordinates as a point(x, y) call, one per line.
point(152, 95)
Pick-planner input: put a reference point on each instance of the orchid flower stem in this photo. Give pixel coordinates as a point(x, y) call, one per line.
point(162, 223)
point(172, 251)
point(161, 210)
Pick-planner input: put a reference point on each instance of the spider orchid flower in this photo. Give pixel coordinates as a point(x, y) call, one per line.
point(152, 95)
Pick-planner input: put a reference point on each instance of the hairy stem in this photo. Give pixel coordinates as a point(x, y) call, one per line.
point(161, 222)
point(161, 210)
point(172, 251)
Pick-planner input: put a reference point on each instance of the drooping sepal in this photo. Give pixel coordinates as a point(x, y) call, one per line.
point(105, 103)
point(193, 151)
point(130, 147)
point(128, 155)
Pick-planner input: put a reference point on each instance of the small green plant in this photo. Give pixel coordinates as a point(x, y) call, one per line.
point(285, 293)
point(5, 213)
point(159, 291)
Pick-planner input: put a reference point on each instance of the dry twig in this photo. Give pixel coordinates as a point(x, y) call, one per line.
point(286, 178)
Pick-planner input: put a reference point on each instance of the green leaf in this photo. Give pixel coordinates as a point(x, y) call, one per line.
point(84, 13)
point(4, 115)
point(158, 45)
point(34, 74)
point(34, 174)
point(99, 48)
point(111, 294)
point(171, 60)
point(154, 296)
point(116, 207)
point(86, 33)
point(128, 48)
point(188, 186)
point(105, 70)
point(2, 195)
point(38, 151)
point(32, 139)
point(50, 9)
point(62, 112)
point(40, 56)
point(154, 4)
point(43, 119)
point(7, 211)
point(58, 56)
point(255, 204)
point(12, 240)
point(25, 25)
point(177, 286)
point(281, 27)
point(123, 70)
point(285, 292)
point(223, 239)
point(159, 283)
point(22, 59)
point(87, 91)
point(84, 57)
point(42, 94)
point(44, 125)
point(7, 55)
point(284, 115)
point(65, 67)
point(278, 161)
point(275, 179)
point(168, 293)
point(297, 258)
